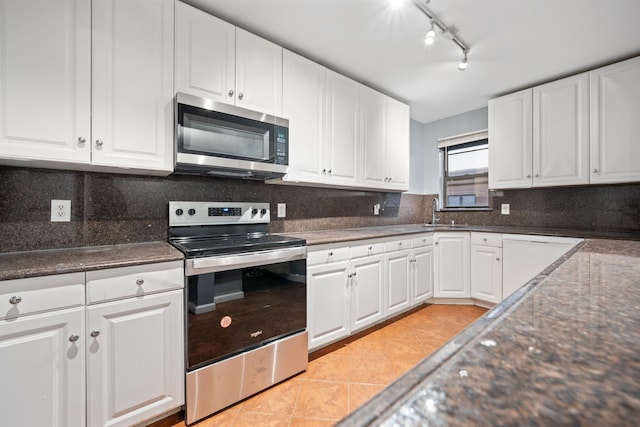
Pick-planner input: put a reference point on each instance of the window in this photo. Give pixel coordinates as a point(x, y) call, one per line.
point(465, 171)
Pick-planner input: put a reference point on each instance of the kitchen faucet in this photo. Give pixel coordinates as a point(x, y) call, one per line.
point(434, 209)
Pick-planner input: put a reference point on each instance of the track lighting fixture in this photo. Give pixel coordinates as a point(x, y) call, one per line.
point(448, 32)
point(431, 35)
point(463, 62)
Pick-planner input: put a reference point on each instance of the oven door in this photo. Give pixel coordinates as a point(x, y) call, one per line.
point(243, 301)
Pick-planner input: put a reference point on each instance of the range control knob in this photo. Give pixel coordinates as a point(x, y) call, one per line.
point(254, 212)
point(263, 211)
point(191, 211)
point(179, 211)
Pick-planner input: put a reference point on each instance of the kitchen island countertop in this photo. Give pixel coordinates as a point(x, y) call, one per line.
point(20, 265)
point(562, 350)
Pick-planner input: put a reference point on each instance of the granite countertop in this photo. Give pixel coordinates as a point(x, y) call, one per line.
point(351, 234)
point(18, 265)
point(562, 350)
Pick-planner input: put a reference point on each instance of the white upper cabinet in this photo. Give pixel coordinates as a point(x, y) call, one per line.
point(323, 111)
point(615, 124)
point(582, 129)
point(87, 85)
point(217, 60)
point(132, 118)
point(45, 87)
point(342, 129)
point(561, 132)
point(258, 73)
point(303, 104)
point(205, 54)
point(510, 140)
point(385, 141)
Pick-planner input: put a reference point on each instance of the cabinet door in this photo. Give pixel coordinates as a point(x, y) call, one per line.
point(135, 359)
point(366, 292)
point(327, 303)
point(343, 132)
point(451, 265)
point(42, 369)
point(422, 275)
point(486, 273)
point(615, 108)
point(258, 73)
point(561, 132)
point(132, 118)
point(373, 112)
point(205, 54)
point(398, 281)
point(303, 89)
point(397, 141)
point(45, 86)
point(510, 140)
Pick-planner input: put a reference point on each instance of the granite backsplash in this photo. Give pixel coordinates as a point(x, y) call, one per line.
point(111, 208)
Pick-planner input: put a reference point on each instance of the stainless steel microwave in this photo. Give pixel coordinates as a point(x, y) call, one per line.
point(213, 138)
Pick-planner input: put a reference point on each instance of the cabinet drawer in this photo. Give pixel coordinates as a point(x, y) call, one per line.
point(397, 245)
point(421, 241)
point(324, 256)
point(138, 280)
point(366, 250)
point(37, 294)
point(487, 239)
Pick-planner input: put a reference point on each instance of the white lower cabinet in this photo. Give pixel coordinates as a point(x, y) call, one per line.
point(134, 359)
point(421, 269)
point(397, 262)
point(42, 369)
point(451, 265)
point(526, 256)
point(367, 291)
point(327, 303)
point(114, 363)
point(486, 267)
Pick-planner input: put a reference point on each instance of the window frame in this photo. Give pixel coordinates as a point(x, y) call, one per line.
point(443, 147)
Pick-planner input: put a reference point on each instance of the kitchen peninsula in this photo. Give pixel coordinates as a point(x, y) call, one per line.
point(562, 350)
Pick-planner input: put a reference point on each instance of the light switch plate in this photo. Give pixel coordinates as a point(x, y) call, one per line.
point(505, 209)
point(282, 210)
point(60, 210)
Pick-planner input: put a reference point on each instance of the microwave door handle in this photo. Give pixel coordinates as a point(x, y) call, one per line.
point(244, 260)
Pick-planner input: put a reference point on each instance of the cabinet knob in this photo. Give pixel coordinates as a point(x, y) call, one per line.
point(497, 259)
point(95, 333)
point(240, 95)
point(74, 337)
point(140, 282)
point(537, 175)
point(15, 300)
point(330, 171)
point(528, 176)
point(330, 253)
point(82, 139)
point(595, 171)
point(399, 243)
point(99, 143)
point(370, 247)
point(484, 239)
point(435, 243)
point(231, 92)
point(324, 171)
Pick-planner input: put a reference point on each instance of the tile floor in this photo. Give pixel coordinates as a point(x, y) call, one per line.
point(338, 382)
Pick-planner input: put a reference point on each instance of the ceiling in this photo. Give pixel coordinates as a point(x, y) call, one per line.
point(513, 43)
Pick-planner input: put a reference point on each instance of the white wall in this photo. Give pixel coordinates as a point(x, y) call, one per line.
point(431, 132)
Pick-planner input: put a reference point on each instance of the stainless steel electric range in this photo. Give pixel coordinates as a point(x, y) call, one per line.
point(245, 293)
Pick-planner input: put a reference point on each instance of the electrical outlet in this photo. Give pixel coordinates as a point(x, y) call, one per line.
point(282, 210)
point(60, 210)
point(376, 209)
point(505, 209)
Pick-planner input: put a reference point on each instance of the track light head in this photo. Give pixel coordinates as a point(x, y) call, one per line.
point(431, 35)
point(463, 62)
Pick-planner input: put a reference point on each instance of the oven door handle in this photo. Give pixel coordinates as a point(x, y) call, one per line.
point(235, 261)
